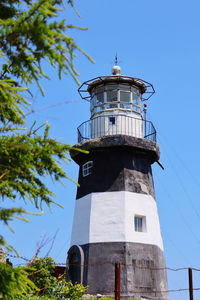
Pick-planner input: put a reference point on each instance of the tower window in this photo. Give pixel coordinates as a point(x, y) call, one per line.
point(112, 121)
point(140, 223)
point(87, 168)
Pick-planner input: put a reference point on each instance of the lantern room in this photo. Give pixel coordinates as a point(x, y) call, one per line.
point(116, 105)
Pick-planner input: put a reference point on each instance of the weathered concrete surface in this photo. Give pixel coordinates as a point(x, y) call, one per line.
point(116, 169)
point(138, 145)
point(143, 271)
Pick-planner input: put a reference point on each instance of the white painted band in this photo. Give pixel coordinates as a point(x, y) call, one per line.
point(109, 217)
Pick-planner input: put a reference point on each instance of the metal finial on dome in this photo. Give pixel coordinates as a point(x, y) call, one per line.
point(116, 60)
point(116, 70)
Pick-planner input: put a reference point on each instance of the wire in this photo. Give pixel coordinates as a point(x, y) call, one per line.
point(112, 263)
point(50, 106)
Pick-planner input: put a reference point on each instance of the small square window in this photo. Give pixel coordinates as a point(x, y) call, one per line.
point(112, 121)
point(140, 223)
point(87, 168)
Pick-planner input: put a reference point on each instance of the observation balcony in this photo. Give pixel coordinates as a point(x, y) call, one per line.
point(115, 124)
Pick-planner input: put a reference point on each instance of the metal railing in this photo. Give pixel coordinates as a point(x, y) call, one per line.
point(116, 124)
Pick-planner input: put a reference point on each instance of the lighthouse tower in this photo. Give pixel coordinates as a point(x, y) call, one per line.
point(116, 218)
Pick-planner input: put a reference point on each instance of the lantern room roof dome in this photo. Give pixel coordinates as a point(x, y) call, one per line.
point(116, 70)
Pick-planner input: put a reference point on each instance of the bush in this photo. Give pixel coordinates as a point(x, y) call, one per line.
point(68, 290)
point(33, 297)
point(14, 281)
point(42, 276)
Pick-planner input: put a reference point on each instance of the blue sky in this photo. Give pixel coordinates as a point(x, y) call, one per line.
point(158, 41)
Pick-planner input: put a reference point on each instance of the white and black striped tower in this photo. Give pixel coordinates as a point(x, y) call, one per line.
point(116, 218)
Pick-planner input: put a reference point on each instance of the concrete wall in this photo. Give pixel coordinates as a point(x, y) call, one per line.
point(109, 217)
point(142, 269)
point(116, 169)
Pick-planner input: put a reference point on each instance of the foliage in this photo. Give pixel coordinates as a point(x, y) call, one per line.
point(112, 298)
point(33, 297)
point(31, 33)
point(68, 290)
point(43, 275)
point(14, 281)
point(24, 156)
point(107, 298)
point(49, 285)
point(36, 282)
point(43, 278)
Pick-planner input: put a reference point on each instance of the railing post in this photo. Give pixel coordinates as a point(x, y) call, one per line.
point(190, 283)
point(117, 281)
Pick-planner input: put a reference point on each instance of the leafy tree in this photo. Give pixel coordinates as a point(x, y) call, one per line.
point(14, 281)
point(31, 32)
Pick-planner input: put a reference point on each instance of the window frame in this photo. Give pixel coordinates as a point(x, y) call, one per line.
point(112, 121)
point(137, 227)
point(87, 168)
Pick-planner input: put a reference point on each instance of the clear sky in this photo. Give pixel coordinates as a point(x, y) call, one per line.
point(158, 41)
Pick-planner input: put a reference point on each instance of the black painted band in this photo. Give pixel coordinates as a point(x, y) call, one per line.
point(142, 269)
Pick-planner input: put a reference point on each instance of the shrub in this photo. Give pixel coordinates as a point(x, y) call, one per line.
point(68, 290)
point(42, 276)
point(33, 297)
point(14, 281)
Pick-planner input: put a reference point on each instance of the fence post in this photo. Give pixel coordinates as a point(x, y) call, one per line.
point(117, 281)
point(190, 283)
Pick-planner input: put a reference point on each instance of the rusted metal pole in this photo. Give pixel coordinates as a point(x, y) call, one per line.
point(145, 120)
point(190, 283)
point(117, 281)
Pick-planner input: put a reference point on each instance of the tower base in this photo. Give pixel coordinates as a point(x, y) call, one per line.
point(143, 272)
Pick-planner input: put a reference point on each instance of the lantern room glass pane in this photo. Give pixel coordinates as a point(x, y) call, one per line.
point(136, 108)
point(124, 87)
point(99, 92)
point(136, 98)
point(108, 106)
point(125, 106)
point(100, 108)
point(112, 96)
point(92, 104)
point(135, 91)
point(125, 96)
point(111, 87)
point(99, 98)
point(99, 89)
